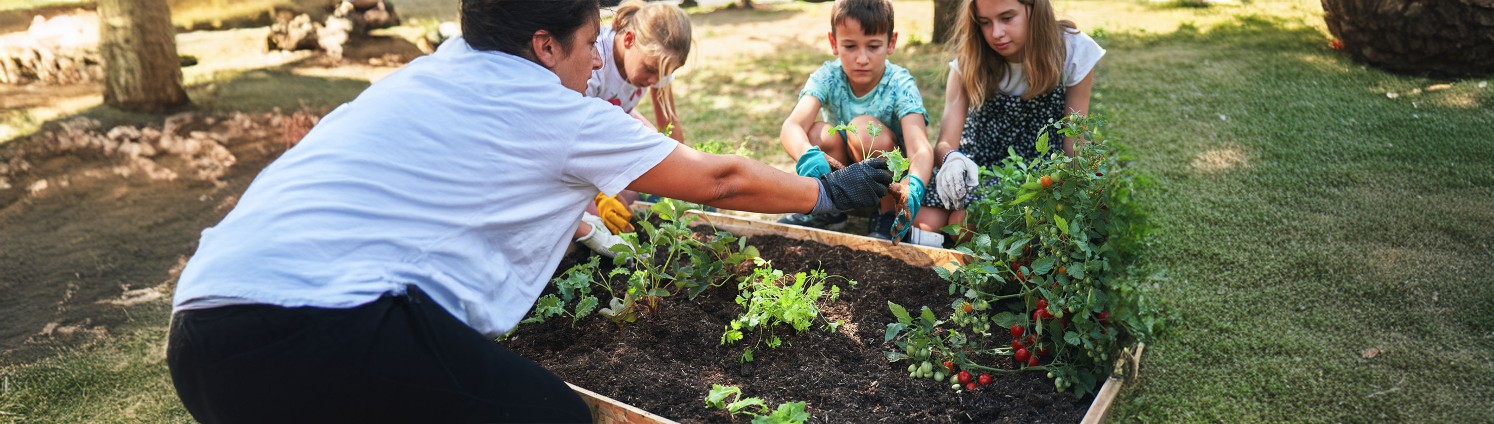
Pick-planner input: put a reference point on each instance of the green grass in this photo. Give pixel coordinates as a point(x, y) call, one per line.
point(123, 379)
point(1305, 218)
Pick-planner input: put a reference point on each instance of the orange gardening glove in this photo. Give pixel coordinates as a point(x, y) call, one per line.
point(616, 216)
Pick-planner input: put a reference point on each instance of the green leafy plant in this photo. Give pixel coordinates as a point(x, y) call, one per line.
point(770, 300)
point(574, 288)
point(656, 262)
point(662, 260)
point(730, 399)
point(1058, 265)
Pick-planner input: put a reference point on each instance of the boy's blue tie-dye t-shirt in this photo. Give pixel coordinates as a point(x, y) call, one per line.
point(893, 98)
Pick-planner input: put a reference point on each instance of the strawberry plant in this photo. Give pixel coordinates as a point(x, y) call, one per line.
point(574, 288)
point(1057, 264)
point(771, 299)
point(786, 413)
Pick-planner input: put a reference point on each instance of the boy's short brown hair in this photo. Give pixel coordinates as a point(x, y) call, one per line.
point(875, 16)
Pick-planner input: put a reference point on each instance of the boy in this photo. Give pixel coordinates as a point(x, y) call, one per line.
point(864, 89)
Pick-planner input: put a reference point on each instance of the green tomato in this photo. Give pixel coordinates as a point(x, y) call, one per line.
point(926, 367)
point(939, 375)
point(912, 368)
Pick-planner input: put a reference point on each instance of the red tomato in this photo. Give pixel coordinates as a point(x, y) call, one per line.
point(963, 376)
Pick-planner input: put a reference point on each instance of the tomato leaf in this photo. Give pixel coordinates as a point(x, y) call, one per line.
point(901, 314)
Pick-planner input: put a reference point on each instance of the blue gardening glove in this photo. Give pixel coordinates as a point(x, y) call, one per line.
point(915, 200)
point(860, 185)
point(812, 163)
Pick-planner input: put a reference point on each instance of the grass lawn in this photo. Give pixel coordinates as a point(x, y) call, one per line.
point(1326, 226)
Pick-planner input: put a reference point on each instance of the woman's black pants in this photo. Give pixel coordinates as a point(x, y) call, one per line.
point(402, 358)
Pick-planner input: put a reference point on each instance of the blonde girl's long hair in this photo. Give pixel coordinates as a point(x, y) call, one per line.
point(663, 31)
point(982, 69)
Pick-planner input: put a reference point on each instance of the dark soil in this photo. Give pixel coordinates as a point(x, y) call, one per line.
point(666, 362)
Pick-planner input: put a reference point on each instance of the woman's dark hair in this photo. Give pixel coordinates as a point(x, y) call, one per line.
point(509, 25)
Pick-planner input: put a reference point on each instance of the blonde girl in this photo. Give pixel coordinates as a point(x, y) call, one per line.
point(645, 45)
point(1016, 70)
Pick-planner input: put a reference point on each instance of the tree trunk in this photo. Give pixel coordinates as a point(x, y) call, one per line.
point(141, 69)
point(945, 13)
point(1434, 37)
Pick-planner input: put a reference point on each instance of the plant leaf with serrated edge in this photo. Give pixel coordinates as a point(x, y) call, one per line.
point(1008, 319)
point(1043, 265)
point(901, 313)
point(893, 328)
point(586, 306)
point(716, 398)
point(1063, 225)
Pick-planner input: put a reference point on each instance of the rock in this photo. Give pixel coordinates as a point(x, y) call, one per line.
point(1441, 37)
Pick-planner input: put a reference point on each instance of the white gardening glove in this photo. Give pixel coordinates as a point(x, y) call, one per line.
point(599, 239)
point(958, 175)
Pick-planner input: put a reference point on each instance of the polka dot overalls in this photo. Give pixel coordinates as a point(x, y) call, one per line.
point(1005, 121)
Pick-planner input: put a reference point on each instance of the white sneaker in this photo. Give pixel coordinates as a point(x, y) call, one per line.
point(599, 240)
point(925, 238)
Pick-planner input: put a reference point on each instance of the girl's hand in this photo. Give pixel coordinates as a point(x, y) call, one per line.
point(955, 180)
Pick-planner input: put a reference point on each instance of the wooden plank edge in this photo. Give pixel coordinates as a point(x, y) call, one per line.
point(605, 410)
point(1100, 408)
point(912, 254)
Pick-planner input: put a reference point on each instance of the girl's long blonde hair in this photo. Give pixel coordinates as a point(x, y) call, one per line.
point(982, 69)
point(663, 31)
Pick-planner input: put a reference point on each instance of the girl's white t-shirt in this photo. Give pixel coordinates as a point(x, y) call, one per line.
point(608, 83)
point(1082, 55)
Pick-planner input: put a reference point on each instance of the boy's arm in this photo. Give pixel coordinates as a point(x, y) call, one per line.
point(795, 133)
point(660, 97)
point(916, 140)
point(1076, 100)
point(953, 123)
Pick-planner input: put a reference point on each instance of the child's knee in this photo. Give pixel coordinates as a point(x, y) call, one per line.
point(873, 135)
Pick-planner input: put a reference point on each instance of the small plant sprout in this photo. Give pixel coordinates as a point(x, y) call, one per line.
point(771, 299)
point(730, 399)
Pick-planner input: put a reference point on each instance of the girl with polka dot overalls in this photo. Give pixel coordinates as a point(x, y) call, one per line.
point(1016, 70)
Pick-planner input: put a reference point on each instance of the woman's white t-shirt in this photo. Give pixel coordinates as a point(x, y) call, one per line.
point(465, 174)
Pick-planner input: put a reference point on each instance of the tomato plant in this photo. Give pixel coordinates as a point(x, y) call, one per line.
point(1057, 248)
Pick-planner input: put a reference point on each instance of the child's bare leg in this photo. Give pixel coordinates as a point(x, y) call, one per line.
point(862, 144)
point(829, 142)
point(931, 218)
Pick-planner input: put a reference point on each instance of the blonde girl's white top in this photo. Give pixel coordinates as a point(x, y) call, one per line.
point(608, 83)
point(1081, 57)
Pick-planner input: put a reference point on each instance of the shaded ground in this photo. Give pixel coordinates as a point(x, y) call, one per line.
point(90, 230)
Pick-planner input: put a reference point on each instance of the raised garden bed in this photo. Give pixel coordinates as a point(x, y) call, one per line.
point(663, 364)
